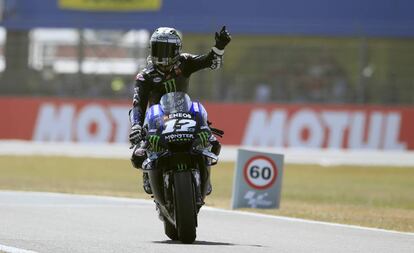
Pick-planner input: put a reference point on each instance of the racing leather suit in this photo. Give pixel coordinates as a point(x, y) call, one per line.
point(151, 84)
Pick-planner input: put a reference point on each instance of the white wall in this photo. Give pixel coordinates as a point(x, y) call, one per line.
point(229, 153)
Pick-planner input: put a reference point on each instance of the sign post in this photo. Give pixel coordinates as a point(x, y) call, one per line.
point(258, 180)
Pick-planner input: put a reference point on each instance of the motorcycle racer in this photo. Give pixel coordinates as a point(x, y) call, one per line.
point(167, 70)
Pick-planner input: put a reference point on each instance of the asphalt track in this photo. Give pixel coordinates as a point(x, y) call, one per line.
point(49, 222)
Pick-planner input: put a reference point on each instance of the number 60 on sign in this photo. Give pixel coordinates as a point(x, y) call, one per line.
point(260, 172)
point(258, 179)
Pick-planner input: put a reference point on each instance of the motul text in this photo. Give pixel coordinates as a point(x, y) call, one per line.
point(271, 125)
point(326, 129)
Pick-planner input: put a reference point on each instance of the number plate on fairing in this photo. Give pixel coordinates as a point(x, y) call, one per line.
point(179, 129)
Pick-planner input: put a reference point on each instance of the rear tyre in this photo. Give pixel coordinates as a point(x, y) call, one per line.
point(170, 230)
point(185, 206)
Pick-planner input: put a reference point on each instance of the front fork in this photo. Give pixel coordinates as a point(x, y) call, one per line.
point(197, 181)
point(168, 178)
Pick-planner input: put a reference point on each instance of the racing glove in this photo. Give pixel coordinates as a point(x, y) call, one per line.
point(222, 38)
point(135, 135)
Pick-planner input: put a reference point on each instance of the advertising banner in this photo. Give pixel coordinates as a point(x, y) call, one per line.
point(269, 125)
point(316, 126)
point(372, 18)
point(110, 5)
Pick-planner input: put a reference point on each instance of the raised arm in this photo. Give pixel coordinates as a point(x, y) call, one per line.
point(213, 59)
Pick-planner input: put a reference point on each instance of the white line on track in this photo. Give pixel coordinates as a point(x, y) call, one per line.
point(8, 249)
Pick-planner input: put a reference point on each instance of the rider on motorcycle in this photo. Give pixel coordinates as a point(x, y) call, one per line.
point(168, 70)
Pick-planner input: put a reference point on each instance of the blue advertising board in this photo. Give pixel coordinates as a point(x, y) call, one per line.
point(271, 17)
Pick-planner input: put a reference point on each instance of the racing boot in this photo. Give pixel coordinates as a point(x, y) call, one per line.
point(139, 155)
point(158, 210)
point(146, 183)
point(209, 188)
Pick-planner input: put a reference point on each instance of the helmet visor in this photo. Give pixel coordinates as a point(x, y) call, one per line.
point(163, 50)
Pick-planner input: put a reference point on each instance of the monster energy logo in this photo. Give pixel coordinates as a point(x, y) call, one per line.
point(203, 137)
point(154, 142)
point(179, 137)
point(181, 166)
point(170, 85)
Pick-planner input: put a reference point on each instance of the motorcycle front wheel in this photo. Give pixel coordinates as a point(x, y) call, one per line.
point(185, 206)
point(170, 230)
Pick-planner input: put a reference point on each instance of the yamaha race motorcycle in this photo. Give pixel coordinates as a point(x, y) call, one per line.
point(180, 150)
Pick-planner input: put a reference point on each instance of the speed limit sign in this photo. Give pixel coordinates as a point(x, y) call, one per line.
point(258, 179)
point(260, 172)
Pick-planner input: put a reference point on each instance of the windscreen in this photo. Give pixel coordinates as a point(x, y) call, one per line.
point(175, 102)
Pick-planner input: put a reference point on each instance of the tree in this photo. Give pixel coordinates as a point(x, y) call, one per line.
point(16, 75)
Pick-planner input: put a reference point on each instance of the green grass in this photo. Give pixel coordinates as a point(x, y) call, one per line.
point(376, 197)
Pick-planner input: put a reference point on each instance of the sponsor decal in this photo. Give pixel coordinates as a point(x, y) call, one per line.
point(179, 137)
point(157, 79)
point(154, 141)
point(181, 166)
point(179, 125)
point(204, 136)
point(92, 123)
point(179, 115)
point(111, 5)
point(308, 128)
point(330, 127)
point(170, 86)
point(255, 200)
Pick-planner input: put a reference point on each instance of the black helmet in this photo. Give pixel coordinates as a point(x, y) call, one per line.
point(165, 45)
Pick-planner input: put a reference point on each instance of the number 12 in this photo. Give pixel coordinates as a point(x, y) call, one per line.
point(179, 125)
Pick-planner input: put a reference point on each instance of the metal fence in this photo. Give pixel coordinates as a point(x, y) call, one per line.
point(88, 63)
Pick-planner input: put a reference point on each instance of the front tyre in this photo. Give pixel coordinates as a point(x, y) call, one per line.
point(170, 230)
point(185, 206)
